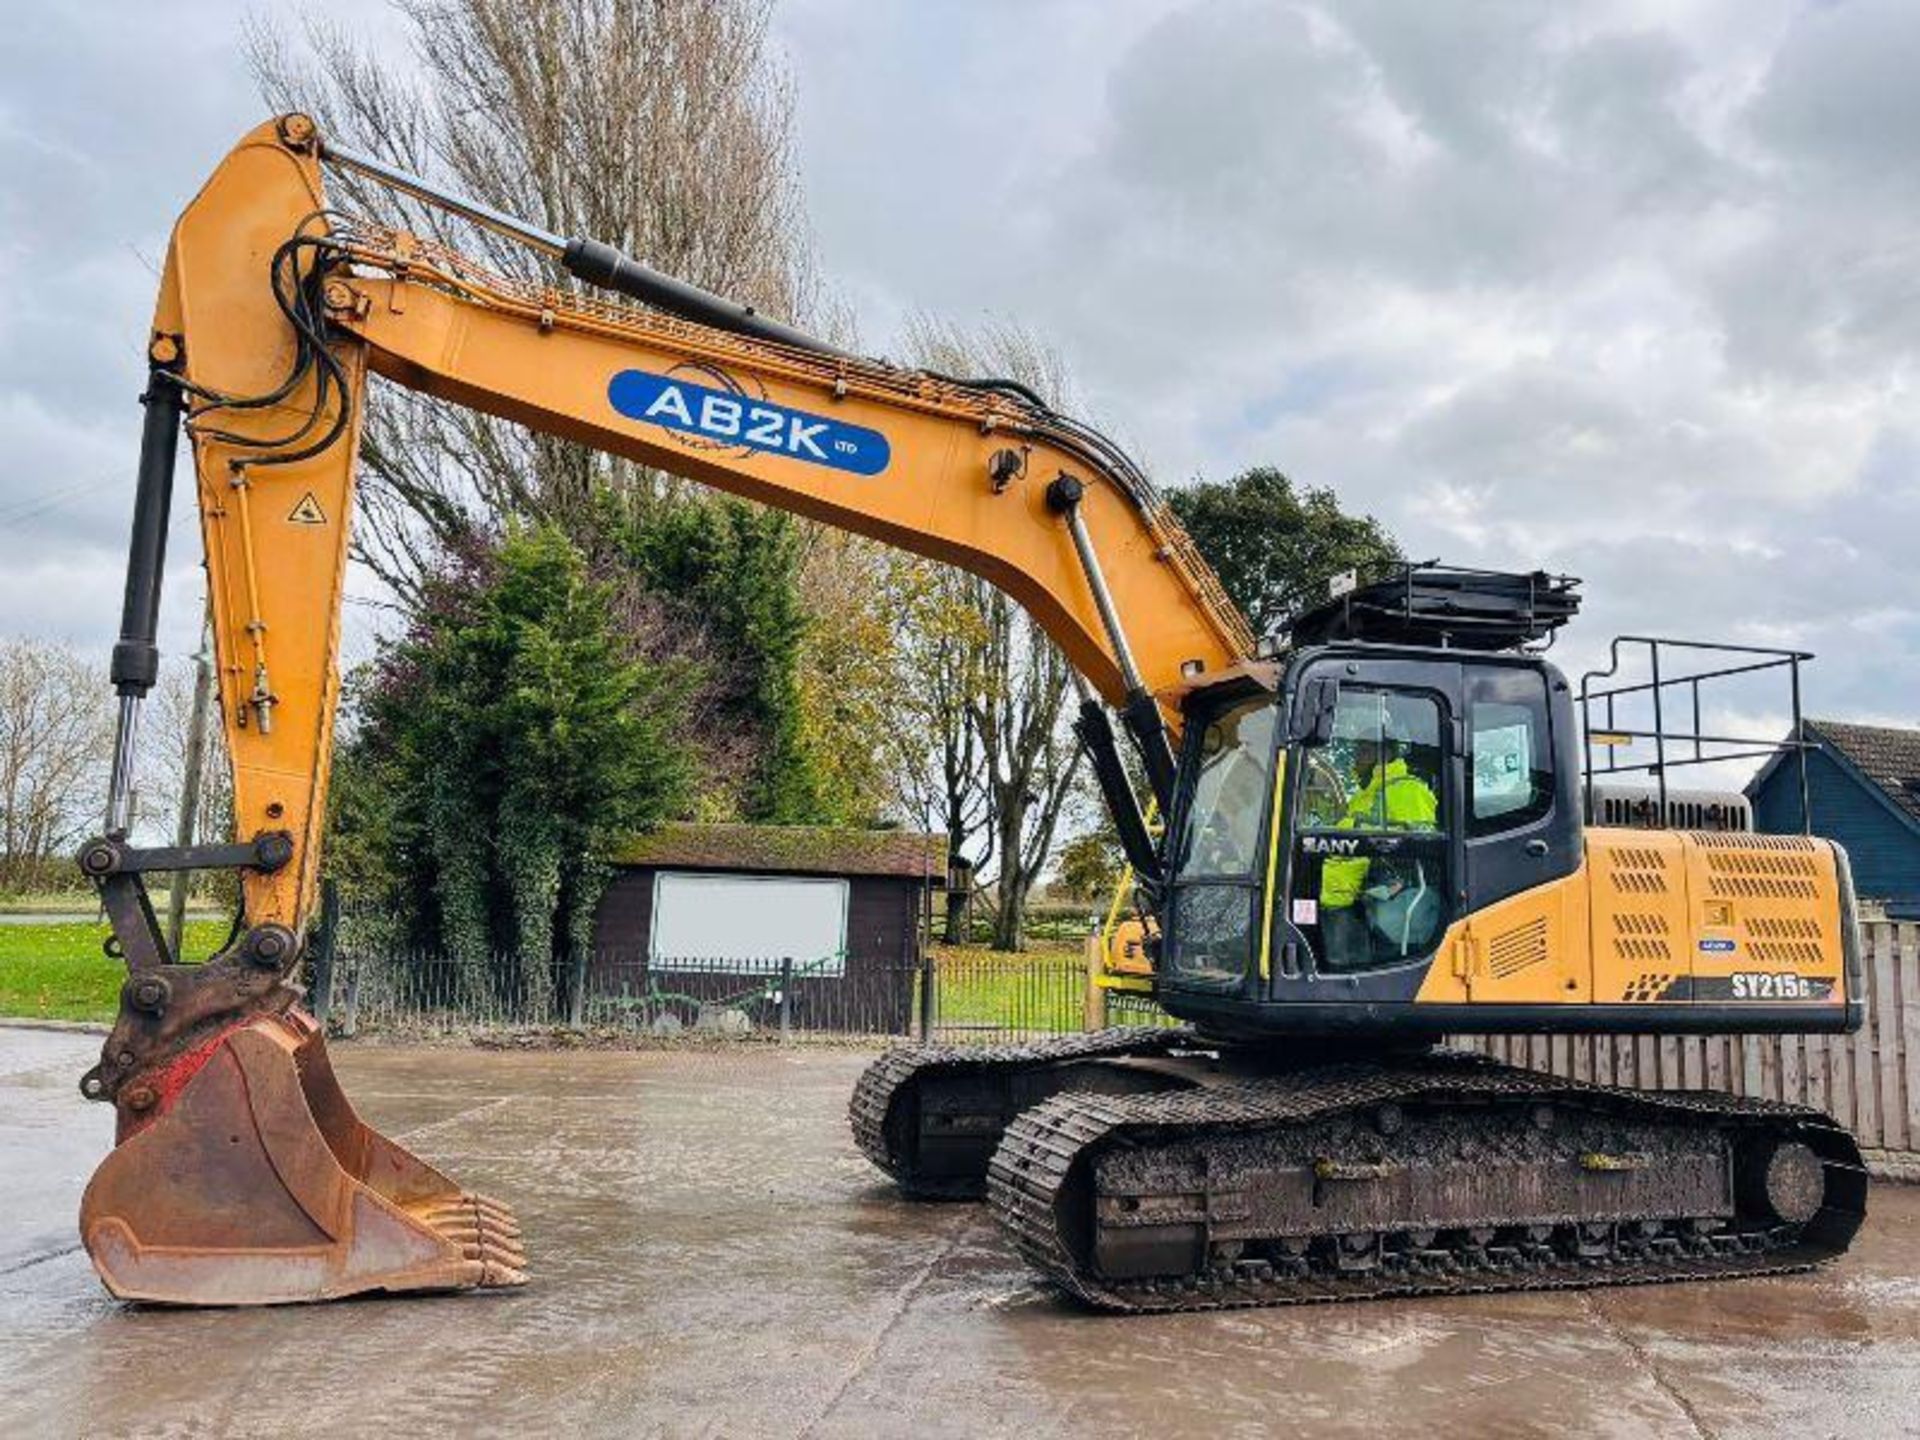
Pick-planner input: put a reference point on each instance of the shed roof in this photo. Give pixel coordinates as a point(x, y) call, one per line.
point(791, 849)
point(1886, 756)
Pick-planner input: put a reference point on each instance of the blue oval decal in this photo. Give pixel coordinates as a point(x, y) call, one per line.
point(730, 418)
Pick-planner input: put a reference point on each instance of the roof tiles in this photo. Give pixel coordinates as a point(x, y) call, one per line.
point(1888, 756)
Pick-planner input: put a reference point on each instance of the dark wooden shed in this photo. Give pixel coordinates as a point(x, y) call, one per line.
point(715, 911)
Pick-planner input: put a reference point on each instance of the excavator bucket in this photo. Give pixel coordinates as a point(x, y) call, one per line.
point(247, 1179)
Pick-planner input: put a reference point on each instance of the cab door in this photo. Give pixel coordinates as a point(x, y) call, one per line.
point(1370, 876)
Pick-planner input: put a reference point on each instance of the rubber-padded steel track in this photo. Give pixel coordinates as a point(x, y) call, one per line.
point(887, 1086)
point(1048, 1148)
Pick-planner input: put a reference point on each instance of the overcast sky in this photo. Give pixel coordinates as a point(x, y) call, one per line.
point(1626, 290)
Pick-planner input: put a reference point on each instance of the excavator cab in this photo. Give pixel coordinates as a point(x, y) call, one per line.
point(1384, 838)
point(1333, 826)
point(1375, 843)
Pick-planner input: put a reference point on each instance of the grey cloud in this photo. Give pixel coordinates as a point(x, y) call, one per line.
point(1626, 289)
point(111, 117)
point(1576, 322)
point(1839, 98)
point(1616, 109)
point(1829, 280)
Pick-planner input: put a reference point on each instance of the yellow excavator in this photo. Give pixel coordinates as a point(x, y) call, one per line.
point(1374, 835)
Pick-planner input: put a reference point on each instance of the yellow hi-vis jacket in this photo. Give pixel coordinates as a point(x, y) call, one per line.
point(1409, 805)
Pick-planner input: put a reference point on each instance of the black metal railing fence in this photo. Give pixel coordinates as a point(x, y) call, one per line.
point(951, 996)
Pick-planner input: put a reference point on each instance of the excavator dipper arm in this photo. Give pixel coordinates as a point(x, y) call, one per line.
point(241, 1173)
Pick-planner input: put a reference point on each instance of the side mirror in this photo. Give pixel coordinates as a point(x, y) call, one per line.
point(1313, 711)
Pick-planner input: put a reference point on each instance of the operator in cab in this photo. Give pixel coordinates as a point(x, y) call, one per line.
point(1386, 795)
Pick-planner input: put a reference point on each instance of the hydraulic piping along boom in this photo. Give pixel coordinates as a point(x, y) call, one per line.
point(359, 296)
point(592, 261)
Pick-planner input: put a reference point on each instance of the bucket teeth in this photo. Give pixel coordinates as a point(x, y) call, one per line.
point(460, 1216)
point(478, 1208)
point(500, 1262)
point(474, 1242)
point(479, 1274)
point(485, 1231)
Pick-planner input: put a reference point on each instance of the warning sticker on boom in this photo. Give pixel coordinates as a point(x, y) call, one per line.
point(308, 511)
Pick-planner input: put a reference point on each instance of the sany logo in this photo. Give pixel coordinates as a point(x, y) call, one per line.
point(731, 419)
point(1328, 845)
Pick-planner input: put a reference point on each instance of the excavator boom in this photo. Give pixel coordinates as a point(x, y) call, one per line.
point(241, 1174)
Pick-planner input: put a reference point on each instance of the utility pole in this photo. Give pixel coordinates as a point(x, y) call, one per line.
point(190, 789)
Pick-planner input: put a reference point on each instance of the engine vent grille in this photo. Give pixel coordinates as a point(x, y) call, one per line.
point(1785, 940)
point(1518, 949)
point(1640, 936)
point(1637, 871)
point(1796, 953)
point(1760, 867)
point(1784, 927)
point(1640, 807)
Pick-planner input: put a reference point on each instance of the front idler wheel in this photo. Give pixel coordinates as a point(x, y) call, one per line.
point(1781, 1180)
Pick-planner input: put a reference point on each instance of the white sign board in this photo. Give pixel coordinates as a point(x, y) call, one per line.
point(702, 920)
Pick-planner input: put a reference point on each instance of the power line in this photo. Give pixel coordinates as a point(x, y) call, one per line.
point(35, 505)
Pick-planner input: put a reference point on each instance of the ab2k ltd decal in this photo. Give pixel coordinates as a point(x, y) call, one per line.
point(713, 411)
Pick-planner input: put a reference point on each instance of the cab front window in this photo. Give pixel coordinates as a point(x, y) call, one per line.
point(1217, 860)
point(1235, 770)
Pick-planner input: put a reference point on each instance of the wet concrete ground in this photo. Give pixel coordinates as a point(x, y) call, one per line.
point(713, 1258)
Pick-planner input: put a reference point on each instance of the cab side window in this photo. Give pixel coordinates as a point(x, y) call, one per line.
point(1510, 750)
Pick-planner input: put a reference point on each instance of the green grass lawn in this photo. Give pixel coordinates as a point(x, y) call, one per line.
point(84, 901)
point(1043, 989)
point(58, 972)
point(49, 902)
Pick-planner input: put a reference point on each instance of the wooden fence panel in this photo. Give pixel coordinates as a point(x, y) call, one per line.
point(1796, 1062)
point(1883, 1018)
point(1869, 1081)
point(1907, 997)
point(1820, 1072)
point(1753, 1072)
point(1863, 1070)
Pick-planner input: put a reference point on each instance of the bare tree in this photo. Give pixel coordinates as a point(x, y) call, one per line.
point(931, 740)
point(166, 744)
point(1030, 758)
point(662, 128)
point(54, 727)
point(999, 685)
